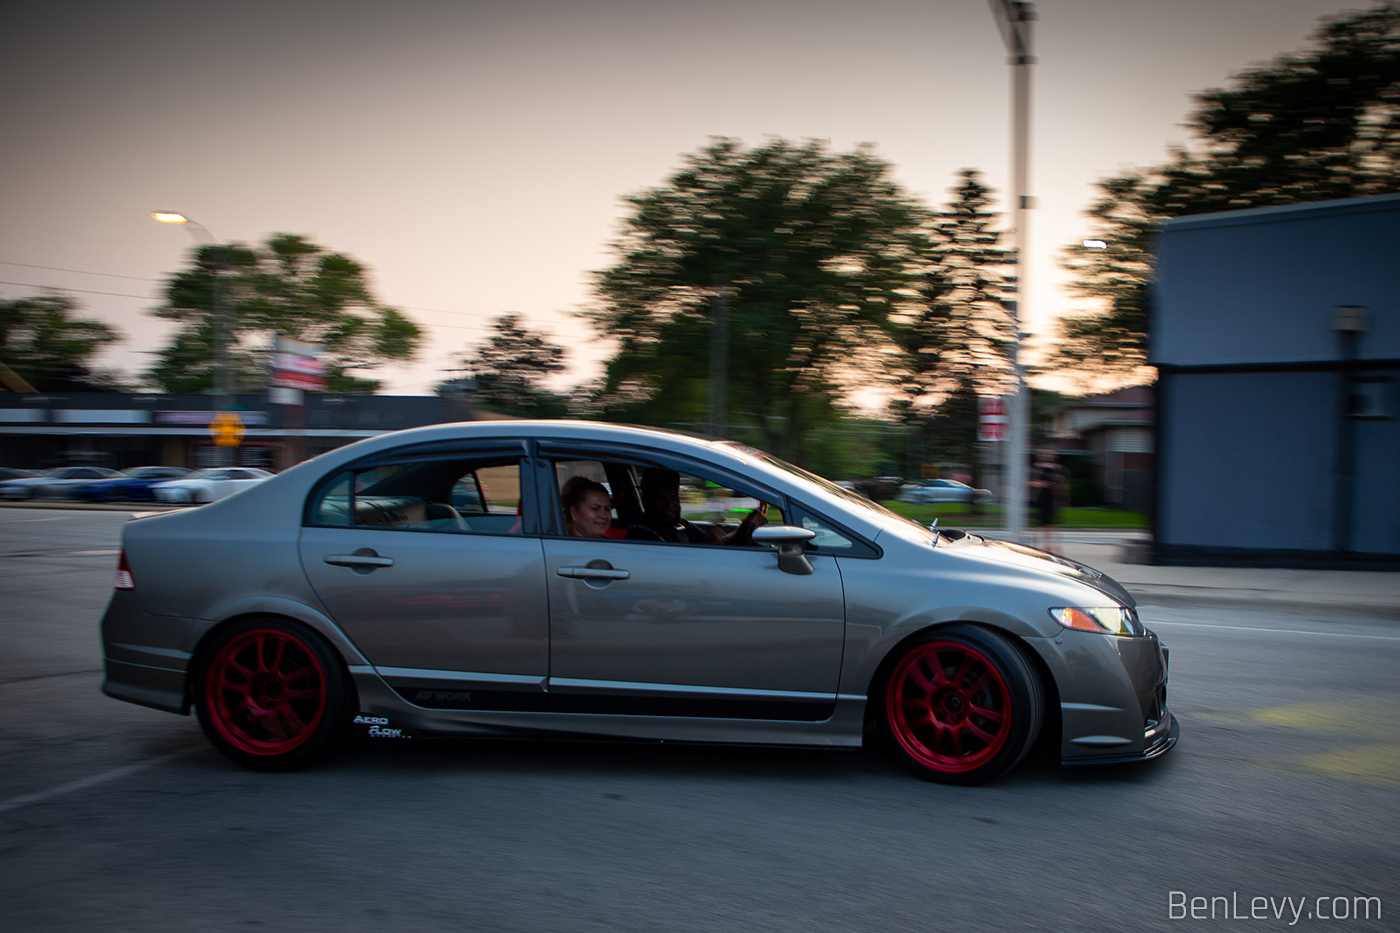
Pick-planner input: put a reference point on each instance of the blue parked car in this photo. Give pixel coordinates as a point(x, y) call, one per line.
point(134, 483)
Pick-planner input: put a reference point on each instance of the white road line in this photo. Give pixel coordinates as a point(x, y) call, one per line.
point(29, 800)
point(1276, 631)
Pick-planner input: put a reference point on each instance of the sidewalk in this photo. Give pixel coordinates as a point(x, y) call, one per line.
point(1373, 592)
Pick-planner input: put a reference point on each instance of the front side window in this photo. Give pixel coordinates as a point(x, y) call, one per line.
point(655, 503)
point(450, 495)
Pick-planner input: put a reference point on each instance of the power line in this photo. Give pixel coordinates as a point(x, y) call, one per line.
point(85, 291)
point(138, 278)
point(30, 265)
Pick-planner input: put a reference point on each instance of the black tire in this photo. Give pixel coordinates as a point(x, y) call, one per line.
point(960, 705)
point(272, 695)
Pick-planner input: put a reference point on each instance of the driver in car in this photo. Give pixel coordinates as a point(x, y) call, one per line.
point(661, 521)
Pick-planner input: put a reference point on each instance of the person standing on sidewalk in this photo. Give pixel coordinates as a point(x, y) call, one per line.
point(1047, 495)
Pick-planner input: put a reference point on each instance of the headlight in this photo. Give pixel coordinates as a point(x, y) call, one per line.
point(1108, 621)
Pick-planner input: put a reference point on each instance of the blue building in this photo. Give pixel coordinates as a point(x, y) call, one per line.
point(1276, 335)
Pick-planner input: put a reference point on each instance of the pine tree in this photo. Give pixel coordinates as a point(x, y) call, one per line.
point(508, 369)
point(955, 347)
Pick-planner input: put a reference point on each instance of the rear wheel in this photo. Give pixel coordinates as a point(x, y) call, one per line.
point(961, 705)
point(272, 695)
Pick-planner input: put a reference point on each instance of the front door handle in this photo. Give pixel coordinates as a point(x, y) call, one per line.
point(593, 573)
point(359, 559)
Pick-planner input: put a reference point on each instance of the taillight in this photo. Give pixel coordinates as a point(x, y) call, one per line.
point(124, 580)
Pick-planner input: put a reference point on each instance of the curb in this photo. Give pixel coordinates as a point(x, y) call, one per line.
point(78, 505)
point(1221, 598)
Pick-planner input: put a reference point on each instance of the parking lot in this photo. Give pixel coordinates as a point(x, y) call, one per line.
point(118, 817)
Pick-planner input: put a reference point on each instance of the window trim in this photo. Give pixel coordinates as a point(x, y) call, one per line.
point(551, 450)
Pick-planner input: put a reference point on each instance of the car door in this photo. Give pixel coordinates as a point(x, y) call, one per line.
point(665, 629)
point(447, 603)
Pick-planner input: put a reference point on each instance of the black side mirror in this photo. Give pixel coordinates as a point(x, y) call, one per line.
point(790, 542)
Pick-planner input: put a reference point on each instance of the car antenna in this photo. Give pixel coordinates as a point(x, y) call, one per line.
point(933, 527)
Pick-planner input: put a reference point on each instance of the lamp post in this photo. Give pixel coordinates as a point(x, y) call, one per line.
point(1349, 322)
point(219, 324)
point(1014, 18)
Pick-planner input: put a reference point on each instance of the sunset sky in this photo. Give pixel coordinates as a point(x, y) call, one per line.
point(473, 153)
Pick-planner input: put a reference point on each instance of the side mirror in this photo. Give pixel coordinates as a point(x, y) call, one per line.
point(790, 541)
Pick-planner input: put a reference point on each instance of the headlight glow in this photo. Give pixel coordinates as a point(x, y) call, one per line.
point(1113, 620)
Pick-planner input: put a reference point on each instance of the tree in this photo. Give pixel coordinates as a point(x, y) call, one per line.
point(954, 344)
point(812, 254)
point(46, 345)
point(288, 286)
point(1319, 124)
point(508, 369)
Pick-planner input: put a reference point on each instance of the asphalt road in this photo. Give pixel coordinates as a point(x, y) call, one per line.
point(114, 817)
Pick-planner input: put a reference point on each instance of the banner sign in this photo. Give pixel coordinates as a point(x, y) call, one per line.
point(992, 418)
point(297, 365)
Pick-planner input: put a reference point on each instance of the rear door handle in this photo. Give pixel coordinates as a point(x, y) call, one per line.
point(593, 573)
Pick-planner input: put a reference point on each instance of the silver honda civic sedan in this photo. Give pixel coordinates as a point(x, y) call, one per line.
point(555, 578)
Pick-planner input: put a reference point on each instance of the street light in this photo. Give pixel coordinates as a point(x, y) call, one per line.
point(223, 390)
point(175, 217)
point(1014, 18)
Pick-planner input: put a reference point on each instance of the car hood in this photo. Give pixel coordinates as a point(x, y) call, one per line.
point(1034, 559)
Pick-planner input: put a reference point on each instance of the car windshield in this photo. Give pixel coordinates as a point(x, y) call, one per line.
point(826, 485)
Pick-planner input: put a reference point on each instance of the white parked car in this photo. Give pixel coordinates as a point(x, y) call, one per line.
point(943, 490)
point(208, 485)
point(55, 484)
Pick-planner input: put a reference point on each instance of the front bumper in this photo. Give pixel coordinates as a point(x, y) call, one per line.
point(1166, 734)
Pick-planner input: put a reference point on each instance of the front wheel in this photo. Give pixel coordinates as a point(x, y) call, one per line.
point(961, 705)
point(272, 695)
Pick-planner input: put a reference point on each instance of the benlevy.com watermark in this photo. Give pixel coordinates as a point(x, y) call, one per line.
point(1181, 906)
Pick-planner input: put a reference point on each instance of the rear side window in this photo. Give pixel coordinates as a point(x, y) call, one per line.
point(436, 495)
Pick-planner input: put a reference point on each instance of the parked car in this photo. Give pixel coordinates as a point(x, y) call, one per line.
point(134, 483)
point(55, 484)
point(942, 490)
point(208, 485)
point(350, 594)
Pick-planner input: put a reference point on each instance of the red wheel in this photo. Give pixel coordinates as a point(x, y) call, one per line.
point(961, 705)
point(272, 695)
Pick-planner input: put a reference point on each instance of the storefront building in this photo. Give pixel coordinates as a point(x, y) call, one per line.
point(120, 431)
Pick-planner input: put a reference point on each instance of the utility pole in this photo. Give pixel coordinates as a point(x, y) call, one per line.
point(221, 327)
point(719, 357)
point(1014, 18)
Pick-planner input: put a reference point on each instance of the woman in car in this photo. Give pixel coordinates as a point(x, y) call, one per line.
point(587, 508)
